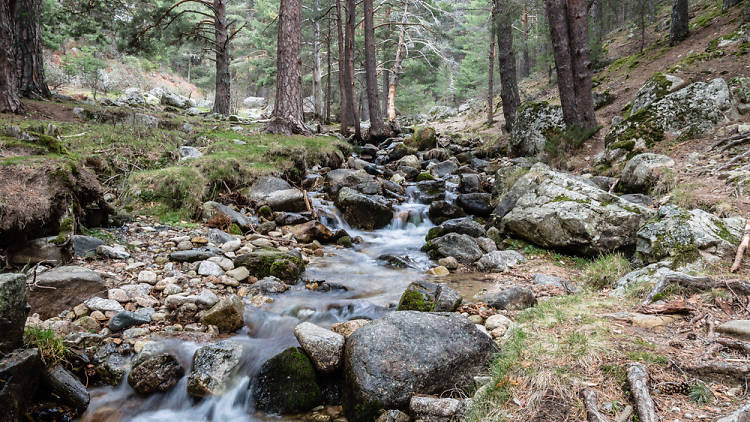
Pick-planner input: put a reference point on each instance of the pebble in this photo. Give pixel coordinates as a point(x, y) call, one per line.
point(439, 271)
point(206, 298)
point(103, 305)
point(239, 273)
point(476, 319)
point(119, 295)
point(231, 246)
point(226, 264)
point(116, 252)
point(185, 245)
point(147, 277)
point(210, 268)
point(171, 289)
point(80, 310)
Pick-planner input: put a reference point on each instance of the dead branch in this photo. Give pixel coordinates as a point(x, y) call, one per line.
point(742, 247)
point(638, 380)
point(734, 344)
point(736, 371)
point(696, 283)
point(674, 307)
point(723, 140)
point(592, 407)
point(308, 204)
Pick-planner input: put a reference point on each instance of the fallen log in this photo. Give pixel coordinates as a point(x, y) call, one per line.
point(592, 407)
point(741, 249)
point(638, 381)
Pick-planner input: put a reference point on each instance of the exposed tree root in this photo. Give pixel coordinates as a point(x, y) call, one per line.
point(638, 380)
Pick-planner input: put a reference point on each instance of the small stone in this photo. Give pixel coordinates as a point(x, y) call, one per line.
point(199, 240)
point(135, 332)
point(116, 252)
point(239, 273)
point(185, 245)
point(347, 328)
point(226, 264)
point(80, 310)
point(126, 319)
point(496, 321)
point(103, 305)
point(119, 295)
point(207, 268)
point(146, 301)
point(98, 315)
point(324, 347)
point(148, 277)
point(171, 289)
point(206, 298)
point(450, 262)
point(439, 271)
point(226, 314)
point(231, 246)
point(476, 319)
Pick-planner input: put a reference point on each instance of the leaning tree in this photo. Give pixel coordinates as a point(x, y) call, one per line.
point(215, 30)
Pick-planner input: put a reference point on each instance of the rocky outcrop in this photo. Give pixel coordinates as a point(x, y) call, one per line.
point(559, 210)
point(62, 288)
point(534, 123)
point(362, 211)
point(655, 88)
point(644, 170)
point(684, 236)
point(13, 311)
point(405, 353)
point(214, 366)
point(286, 384)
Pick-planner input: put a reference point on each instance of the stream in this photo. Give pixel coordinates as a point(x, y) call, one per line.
point(371, 288)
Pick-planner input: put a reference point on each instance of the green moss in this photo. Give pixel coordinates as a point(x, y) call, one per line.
point(434, 233)
point(265, 211)
point(345, 241)
point(704, 20)
point(415, 300)
point(264, 262)
point(235, 229)
point(563, 198)
point(366, 412)
point(425, 176)
point(626, 144)
point(287, 383)
point(51, 347)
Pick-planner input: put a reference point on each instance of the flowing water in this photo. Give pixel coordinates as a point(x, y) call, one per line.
point(371, 290)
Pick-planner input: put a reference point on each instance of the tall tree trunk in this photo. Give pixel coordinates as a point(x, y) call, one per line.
point(346, 99)
point(386, 82)
point(10, 101)
point(221, 26)
point(396, 71)
point(351, 20)
point(679, 30)
point(525, 65)
point(596, 30)
point(578, 30)
point(377, 128)
point(507, 66)
point(490, 82)
point(558, 26)
point(287, 112)
point(317, 71)
point(29, 57)
point(328, 78)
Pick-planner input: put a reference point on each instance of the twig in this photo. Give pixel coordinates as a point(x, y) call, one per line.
point(612, 188)
point(742, 247)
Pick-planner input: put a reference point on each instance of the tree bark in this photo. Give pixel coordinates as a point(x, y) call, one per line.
point(287, 112)
point(351, 20)
point(581, 60)
point(396, 71)
point(386, 83)
point(597, 25)
point(328, 78)
point(525, 61)
point(507, 66)
point(29, 57)
point(346, 99)
point(490, 81)
point(679, 29)
point(558, 26)
point(10, 101)
point(317, 70)
point(377, 128)
point(223, 79)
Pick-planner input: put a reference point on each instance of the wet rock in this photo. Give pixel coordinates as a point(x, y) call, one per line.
point(66, 386)
point(369, 212)
point(68, 286)
point(436, 352)
point(450, 263)
point(110, 365)
point(226, 314)
point(112, 252)
point(499, 261)
point(20, 373)
point(269, 285)
point(424, 296)
point(422, 139)
point(644, 170)
point(559, 210)
point(465, 226)
point(476, 203)
point(292, 218)
point(324, 347)
point(312, 230)
point(13, 311)
point(512, 299)
point(401, 150)
point(287, 384)
point(460, 246)
point(126, 319)
point(194, 255)
point(443, 168)
point(85, 245)
point(533, 122)
point(440, 211)
point(265, 262)
point(154, 374)
point(686, 235)
point(214, 365)
point(340, 178)
point(212, 209)
point(470, 183)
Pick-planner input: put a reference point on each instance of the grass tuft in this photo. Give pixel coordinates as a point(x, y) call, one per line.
point(606, 270)
point(51, 347)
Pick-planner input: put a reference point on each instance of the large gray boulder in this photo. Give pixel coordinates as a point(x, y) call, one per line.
point(644, 170)
point(533, 122)
point(559, 210)
point(176, 100)
point(13, 311)
point(214, 367)
point(292, 200)
point(62, 288)
point(686, 235)
point(369, 212)
point(267, 185)
point(655, 88)
point(340, 178)
point(405, 353)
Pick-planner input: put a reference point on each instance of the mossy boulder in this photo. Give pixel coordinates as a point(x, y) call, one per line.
point(423, 139)
point(740, 88)
point(684, 236)
point(534, 121)
point(287, 384)
point(424, 296)
point(265, 262)
point(655, 88)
